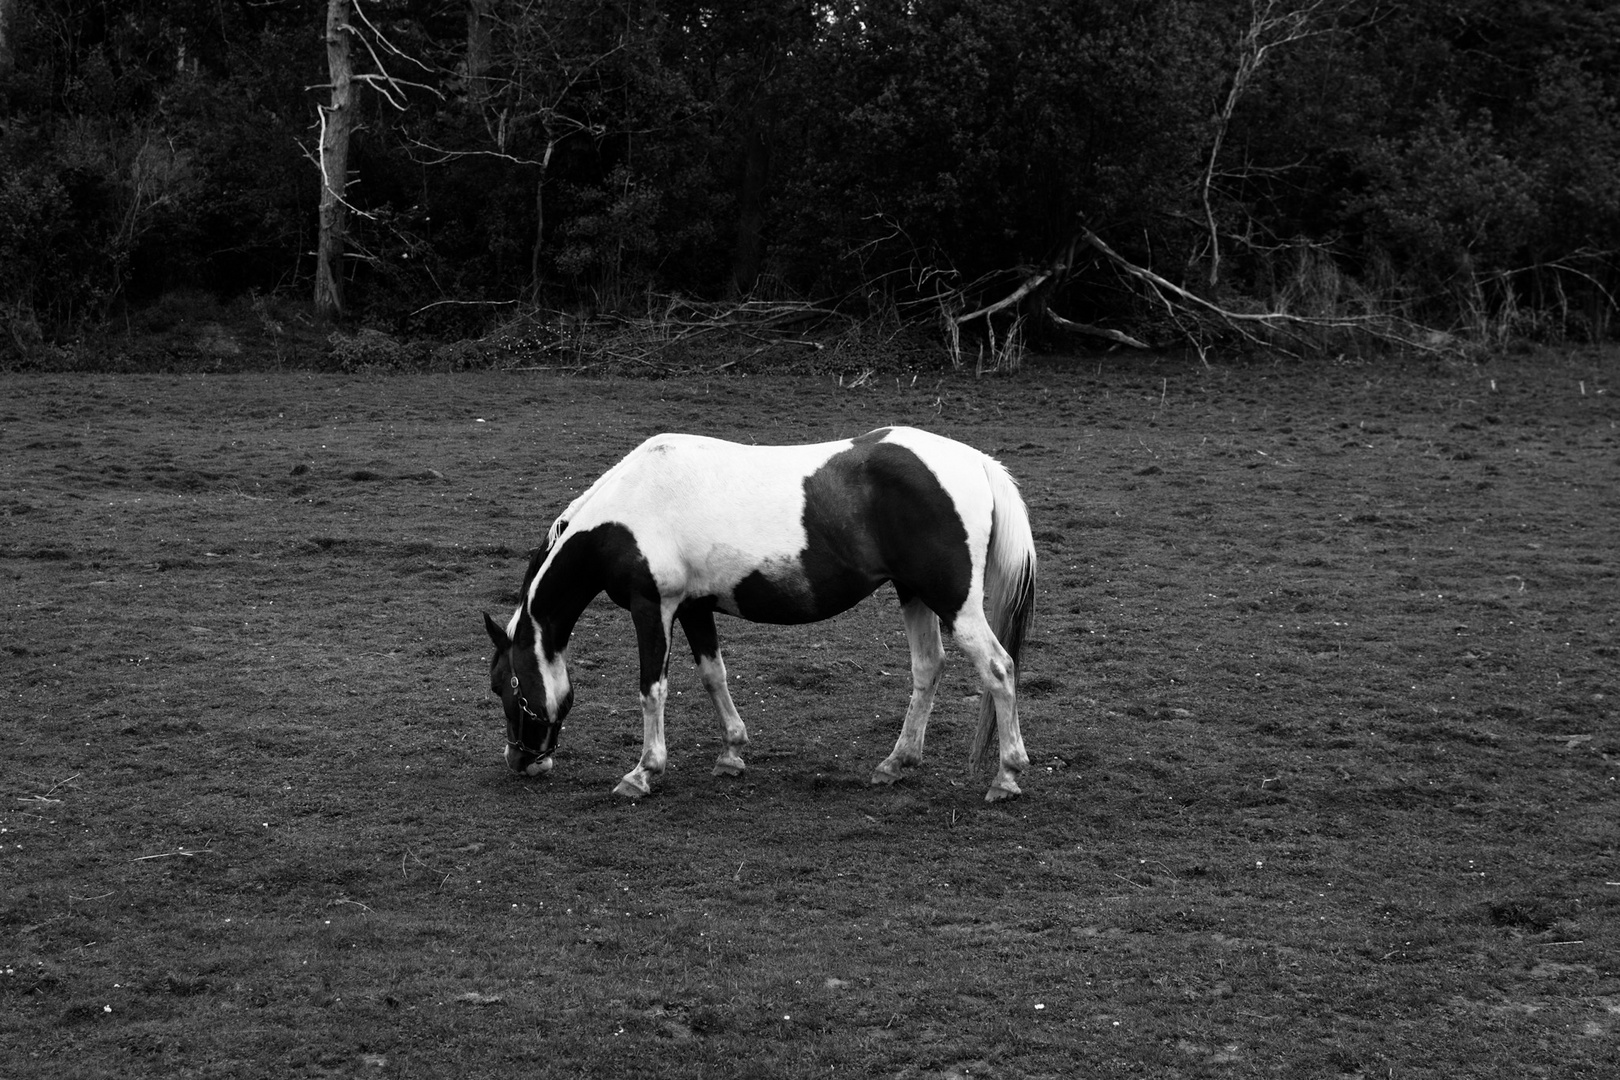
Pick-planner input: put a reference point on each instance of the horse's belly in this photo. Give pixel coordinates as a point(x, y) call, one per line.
point(790, 595)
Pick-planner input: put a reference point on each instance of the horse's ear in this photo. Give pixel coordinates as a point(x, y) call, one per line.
point(496, 634)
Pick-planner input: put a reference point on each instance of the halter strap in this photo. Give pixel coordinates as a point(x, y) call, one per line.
point(548, 737)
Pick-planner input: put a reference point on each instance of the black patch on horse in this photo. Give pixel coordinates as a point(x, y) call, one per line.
point(697, 619)
point(606, 558)
point(872, 513)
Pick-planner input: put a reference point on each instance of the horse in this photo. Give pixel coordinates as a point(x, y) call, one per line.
point(686, 526)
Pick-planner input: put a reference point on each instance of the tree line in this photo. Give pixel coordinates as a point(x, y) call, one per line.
point(1128, 168)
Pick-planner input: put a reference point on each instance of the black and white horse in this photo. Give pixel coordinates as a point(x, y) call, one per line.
point(686, 526)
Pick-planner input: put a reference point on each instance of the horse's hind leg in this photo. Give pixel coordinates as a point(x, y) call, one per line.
point(652, 624)
point(927, 666)
point(705, 642)
point(998, 674)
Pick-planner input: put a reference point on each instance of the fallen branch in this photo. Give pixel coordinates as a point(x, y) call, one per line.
point(1058, 267)
point(1160, 285)
point(1095, 331)
point(1030, 284)
point(1179, 303)
point(464, 303)
point(662, 338)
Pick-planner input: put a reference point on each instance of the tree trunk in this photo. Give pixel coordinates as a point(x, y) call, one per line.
point(536, 268)
point(480, 50)
point(1600, 301)
point(749, 252)
point(336, 122)
point(8, 27)
point(539, 236)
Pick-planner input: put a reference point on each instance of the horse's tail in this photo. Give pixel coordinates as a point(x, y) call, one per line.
point(1009, 589)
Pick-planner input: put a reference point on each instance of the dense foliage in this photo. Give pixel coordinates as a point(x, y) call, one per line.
point(1457, 158)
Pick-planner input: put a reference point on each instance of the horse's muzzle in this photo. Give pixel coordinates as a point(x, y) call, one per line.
point(527, 764)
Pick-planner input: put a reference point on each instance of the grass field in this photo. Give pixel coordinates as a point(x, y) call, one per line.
point(1321, 702)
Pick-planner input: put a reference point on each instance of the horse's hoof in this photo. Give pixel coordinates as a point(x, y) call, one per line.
point(630, 790)
point(727, 768)
point(881, 775)
point(996, 794)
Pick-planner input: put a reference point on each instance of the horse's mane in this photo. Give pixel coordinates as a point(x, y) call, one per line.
point(538, 558)
point(555, 531)
point(535, 561)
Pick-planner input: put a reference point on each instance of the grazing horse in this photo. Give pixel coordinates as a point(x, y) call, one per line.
point(686, 526)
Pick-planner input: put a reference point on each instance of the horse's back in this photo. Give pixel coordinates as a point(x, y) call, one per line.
point(719, 486)
point(796, 533)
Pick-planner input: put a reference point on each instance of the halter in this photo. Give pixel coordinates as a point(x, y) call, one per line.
point(549, 737)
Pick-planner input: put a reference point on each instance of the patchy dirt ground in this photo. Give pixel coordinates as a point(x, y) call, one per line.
point(1321, 701)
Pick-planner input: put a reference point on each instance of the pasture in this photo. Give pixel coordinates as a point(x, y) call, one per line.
point(1320, 702)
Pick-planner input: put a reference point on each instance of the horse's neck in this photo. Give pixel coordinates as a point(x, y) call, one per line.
point(562, 589)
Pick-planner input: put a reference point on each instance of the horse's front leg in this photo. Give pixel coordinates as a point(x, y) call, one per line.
point(705, 642)
point(652, 624)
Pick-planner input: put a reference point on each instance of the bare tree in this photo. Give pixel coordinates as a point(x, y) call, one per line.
point(528, 66)
point(337, 119)
point(1272, 23)
point(337, 123)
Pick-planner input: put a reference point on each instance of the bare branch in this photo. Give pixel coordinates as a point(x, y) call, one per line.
point(326, 181)
point(1095, 331)
point(381, 80)
point(440, 155)
point(1181, 306)
point(1031, 283)
point(464, 303)
point(389, 45)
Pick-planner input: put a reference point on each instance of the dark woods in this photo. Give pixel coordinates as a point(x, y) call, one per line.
point(1452, 163)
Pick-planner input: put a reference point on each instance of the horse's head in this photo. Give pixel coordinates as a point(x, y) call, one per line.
point(534, 694)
